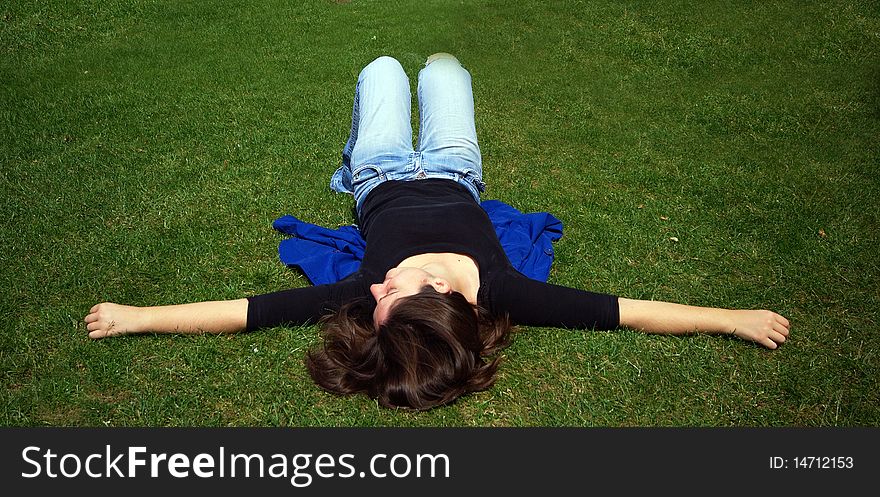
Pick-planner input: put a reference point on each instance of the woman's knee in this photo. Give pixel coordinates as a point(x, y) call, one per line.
point(383, 64)
point(443, 69)
point(441, 56)
point(385, 74)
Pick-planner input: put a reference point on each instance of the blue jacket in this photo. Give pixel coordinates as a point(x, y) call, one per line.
point(329, 255)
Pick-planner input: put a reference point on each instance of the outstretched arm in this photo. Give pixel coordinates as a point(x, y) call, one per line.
point(108, 319)
point(764, 327)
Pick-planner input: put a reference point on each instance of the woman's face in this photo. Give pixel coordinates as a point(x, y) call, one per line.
point(399, 282)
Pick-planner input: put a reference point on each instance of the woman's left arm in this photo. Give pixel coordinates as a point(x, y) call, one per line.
point(109, 319)
point(764, 327)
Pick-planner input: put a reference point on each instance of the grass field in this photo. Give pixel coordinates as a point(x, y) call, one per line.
point(148, 145)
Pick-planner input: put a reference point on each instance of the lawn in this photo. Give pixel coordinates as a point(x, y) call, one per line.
point(711, 153)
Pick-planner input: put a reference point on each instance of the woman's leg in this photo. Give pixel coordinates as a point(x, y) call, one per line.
point(447, 132)
point(380, 126)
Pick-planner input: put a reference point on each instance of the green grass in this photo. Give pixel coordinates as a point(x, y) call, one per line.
point(147, 147)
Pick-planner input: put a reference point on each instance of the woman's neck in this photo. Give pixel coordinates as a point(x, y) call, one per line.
point(459, 270)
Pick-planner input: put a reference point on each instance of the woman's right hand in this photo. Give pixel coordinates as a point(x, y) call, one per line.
point(764, 327)
point(109, 320)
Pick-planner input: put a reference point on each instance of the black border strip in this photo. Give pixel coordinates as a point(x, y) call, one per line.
point(517, 460)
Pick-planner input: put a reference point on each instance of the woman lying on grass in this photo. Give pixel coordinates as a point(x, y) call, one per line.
point(435, 296)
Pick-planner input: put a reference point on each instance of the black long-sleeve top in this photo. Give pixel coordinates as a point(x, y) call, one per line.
point(400, 219)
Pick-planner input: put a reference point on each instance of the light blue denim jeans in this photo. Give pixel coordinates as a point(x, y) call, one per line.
point(380, 146)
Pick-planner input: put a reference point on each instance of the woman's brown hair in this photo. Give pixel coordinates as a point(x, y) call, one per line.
point(432, 349)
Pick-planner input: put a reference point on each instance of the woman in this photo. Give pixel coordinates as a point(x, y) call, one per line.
point(435, 295)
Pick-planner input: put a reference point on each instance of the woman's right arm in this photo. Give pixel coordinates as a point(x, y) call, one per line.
point(536, 303)
point(760, 326)
point(108, 319)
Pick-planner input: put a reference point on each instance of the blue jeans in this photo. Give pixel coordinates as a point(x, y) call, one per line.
point(380, 147)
